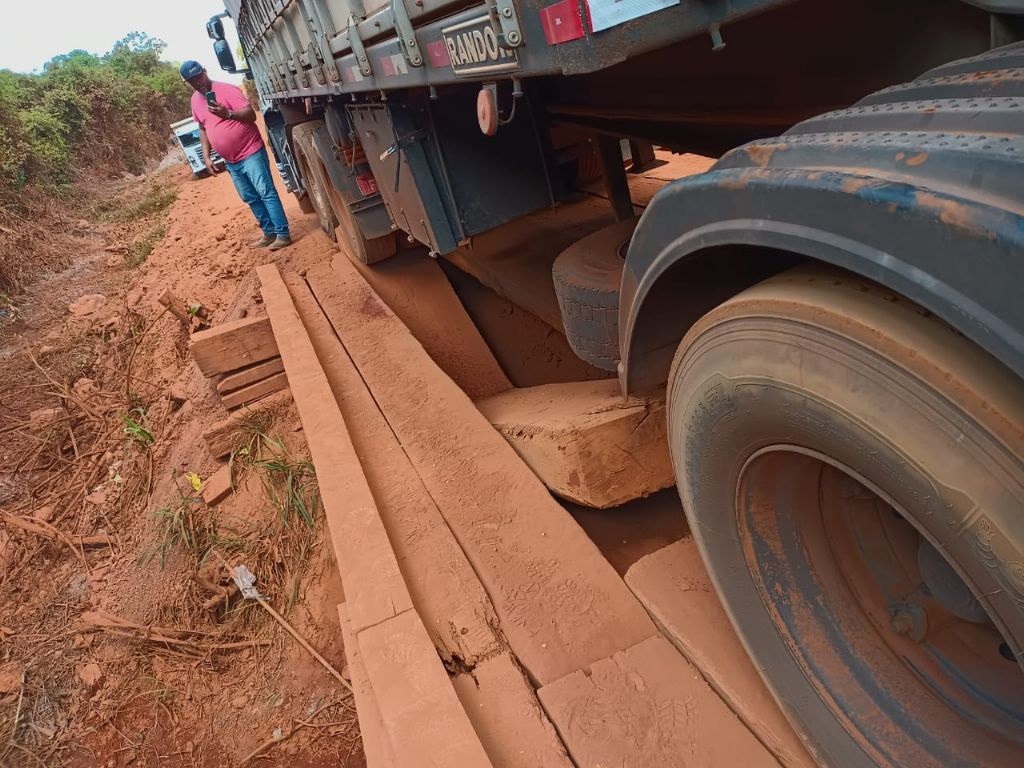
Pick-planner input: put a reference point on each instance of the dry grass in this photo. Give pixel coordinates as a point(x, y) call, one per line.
point(136, 204)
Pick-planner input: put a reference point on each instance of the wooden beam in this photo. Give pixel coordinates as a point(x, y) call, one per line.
point(446, 592)
point(557, 618)
point(376, 742)
point(218, 486)
point(585, 441)
point(698, 626)
point(229, 346)
point(254, 392)
point(416, 700)
point(249, 375)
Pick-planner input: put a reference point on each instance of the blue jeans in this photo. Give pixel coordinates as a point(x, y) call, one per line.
point(256, 188)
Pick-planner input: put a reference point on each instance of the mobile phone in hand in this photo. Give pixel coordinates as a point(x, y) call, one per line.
point(211, 98)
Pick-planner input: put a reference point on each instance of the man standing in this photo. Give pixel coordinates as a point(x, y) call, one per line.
point(228, 122)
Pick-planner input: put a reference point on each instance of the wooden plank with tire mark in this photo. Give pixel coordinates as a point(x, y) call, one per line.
point(560, 603)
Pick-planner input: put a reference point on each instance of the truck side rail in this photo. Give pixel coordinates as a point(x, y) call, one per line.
point(299, 48)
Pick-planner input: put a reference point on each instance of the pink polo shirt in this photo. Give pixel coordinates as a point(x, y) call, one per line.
point(233, 139)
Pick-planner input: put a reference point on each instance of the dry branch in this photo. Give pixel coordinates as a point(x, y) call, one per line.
point(121, 627)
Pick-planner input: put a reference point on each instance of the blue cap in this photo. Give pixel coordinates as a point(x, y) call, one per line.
point(190, 69)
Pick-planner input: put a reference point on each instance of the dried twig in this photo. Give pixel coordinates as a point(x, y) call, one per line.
point(135, 348)
point(120, 627)
point(292, 631)
point(44, 529)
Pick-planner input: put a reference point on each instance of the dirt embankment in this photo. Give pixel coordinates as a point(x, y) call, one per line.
point(121, 640)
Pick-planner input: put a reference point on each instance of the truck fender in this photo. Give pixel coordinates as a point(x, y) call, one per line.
point(917, 187)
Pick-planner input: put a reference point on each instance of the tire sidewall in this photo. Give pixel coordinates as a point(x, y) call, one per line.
point(828, 394)
point(309, 163)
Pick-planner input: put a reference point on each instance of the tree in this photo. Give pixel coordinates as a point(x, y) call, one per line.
point(136, 54)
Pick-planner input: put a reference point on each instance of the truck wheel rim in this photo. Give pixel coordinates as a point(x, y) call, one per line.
point(837, 569)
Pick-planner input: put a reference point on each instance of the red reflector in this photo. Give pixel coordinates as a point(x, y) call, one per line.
point(367, 185)
point(561, 22)
point(438, 55)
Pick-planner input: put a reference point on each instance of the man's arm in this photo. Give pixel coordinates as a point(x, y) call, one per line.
point(207, 156)
point(245, 115)
point(235, 106)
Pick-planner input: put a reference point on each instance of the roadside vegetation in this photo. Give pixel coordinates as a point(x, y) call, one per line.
point(84, 120)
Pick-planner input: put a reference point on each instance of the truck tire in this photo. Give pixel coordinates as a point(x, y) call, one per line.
point(350, 237)
point(587, 276)
point(305, 202)
point(830, 440)
point(313, 177)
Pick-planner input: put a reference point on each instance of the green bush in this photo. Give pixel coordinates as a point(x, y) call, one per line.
point(87, 113)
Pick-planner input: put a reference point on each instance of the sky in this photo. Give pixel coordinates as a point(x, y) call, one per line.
point(34, 32)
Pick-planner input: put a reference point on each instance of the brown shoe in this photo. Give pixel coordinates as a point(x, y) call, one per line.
point(281, 241)
point(264, 241)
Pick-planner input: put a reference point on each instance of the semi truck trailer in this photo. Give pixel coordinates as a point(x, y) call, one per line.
point(833, 310)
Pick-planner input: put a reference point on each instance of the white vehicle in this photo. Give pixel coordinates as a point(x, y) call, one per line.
point(186, 131)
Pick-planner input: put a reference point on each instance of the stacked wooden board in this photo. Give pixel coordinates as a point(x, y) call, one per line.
point(242, 358)
point(482, 625)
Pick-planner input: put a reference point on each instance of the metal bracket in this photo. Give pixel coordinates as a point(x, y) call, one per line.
point(318, 15)
point(316, 63)
point(356, 43)
point(505, 23)
point(330, 65)
point(279, 74)
point(406, 34)
point(299, 71)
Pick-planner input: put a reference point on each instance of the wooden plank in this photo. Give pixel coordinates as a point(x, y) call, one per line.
point(447, 594)
point(249, 375)
point(512, 726)
point(425, 721)
point(254, 392)
point(415, 288)
point(585, 441)
point(229, 346)
point(675, 588)
point(646, 707)
point(376, 743)
point(218, 486)
point(231, 433)
point(374, 588)
point(561, 605)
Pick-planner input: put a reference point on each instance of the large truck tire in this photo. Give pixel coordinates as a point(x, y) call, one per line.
point(587, 276)
point(314, 179)
point(351, 238)
point(853, 473)
point(335, 217)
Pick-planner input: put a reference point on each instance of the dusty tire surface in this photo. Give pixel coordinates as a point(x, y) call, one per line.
point(815, 409)
point(305, 203)
point(587, 277)
point(351, 239)
point(313, 177)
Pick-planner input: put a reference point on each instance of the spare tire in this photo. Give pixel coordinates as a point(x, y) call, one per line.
point(587, 276)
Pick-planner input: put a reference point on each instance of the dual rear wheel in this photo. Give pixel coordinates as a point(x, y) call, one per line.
point(853, 473)
point(332, 212)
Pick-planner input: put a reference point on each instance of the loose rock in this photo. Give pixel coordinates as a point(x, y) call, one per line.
point(90, 674)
